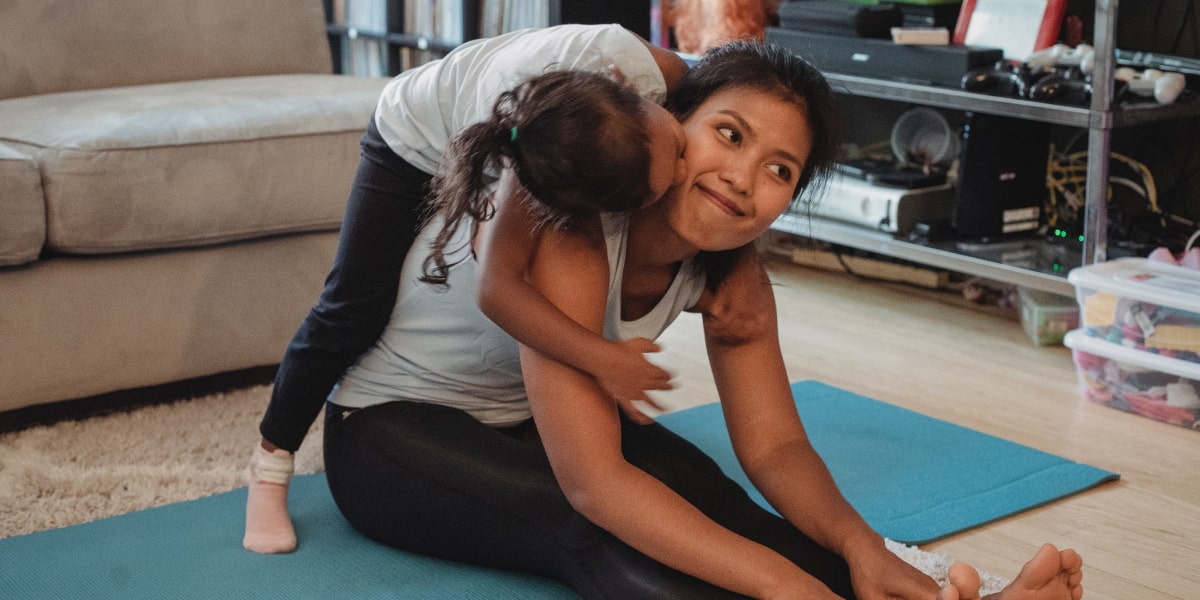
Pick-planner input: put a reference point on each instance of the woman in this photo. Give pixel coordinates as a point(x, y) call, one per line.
point(445, 460)
point(418, 113)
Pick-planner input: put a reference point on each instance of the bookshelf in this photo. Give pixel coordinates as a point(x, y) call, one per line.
point(385, 37)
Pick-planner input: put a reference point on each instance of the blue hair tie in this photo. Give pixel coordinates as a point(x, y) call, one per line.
point(513, 136)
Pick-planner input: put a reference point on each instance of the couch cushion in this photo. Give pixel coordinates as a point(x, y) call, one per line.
point(192, 163)
point(49, 46)
point(22, 209)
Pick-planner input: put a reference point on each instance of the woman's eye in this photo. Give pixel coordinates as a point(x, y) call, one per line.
point(782, 172)
point(730, 134)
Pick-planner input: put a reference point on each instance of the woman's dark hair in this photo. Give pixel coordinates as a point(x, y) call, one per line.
point(576, 140)
point(774, 70)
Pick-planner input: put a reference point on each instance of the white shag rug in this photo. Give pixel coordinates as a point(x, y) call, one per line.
point(79, 471)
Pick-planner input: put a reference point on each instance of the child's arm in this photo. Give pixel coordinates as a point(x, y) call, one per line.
point(503, 248)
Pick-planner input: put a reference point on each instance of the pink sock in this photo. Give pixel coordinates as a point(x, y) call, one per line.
point(268, 526)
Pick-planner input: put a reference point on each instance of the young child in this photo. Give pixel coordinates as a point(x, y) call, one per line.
point(559, 147)
point(567, 145)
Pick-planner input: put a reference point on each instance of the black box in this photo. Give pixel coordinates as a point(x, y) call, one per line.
point(1001, 177)
point(841, 18)
point(928, 65)
point(931, 15)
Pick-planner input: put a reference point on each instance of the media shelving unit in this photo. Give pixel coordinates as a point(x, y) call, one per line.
point(1030, 263)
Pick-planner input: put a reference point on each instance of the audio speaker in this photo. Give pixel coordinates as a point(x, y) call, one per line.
point(885, 59)
point(1001, 176)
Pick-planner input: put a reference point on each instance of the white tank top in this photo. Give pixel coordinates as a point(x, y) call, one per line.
point(439, 347)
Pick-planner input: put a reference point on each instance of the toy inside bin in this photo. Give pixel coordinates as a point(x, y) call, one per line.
point(1161, 388)
point(1145, 305)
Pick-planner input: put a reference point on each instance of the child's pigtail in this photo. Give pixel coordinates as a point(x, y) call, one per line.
point(461, 187)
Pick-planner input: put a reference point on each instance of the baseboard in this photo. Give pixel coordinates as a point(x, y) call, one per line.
point(122, 400)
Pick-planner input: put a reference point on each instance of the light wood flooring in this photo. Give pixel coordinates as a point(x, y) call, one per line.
point(1139, 536)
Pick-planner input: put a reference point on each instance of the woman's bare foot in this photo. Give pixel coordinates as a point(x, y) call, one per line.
point(1050, 575)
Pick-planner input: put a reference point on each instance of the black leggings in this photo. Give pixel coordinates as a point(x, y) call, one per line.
point(432, 480)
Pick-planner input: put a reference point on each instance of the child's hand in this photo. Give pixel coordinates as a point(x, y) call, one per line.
point(625, 376)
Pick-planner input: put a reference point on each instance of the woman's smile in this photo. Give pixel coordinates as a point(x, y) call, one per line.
point(722, 202)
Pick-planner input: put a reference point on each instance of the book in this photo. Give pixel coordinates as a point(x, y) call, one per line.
point(926, 36)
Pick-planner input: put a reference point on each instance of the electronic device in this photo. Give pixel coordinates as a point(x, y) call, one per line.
point(889, 209)
point(1063, 86)
point(1001, 185)
point(1082, 56)
point(1005, 78)
point(1162, 62)
point(1164, 87)
point(840, 18)
point(884, 59)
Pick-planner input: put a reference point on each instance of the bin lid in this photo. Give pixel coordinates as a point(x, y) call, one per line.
point(1141, 279)
point(1079, 340)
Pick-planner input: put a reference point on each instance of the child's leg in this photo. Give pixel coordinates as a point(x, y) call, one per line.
point(268, 526)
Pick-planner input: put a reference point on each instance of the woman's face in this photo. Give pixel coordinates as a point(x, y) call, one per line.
point(746, 149)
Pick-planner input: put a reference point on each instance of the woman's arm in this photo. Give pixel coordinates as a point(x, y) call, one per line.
point(581, 434)
point(772, 445)
point(504, 246)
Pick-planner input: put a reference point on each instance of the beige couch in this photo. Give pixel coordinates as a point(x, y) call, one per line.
point(172, 177)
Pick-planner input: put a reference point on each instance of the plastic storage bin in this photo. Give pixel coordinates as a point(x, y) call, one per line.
point(1047, 317)
point(1136, 381)
point(1148, 306)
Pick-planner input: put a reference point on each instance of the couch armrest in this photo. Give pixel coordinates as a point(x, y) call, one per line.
point(22, 208)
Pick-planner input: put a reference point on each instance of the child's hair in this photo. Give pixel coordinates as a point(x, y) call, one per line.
point(576, 140)
point(774, 70)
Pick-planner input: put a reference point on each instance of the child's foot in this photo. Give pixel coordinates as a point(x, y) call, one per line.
point(268, 526)
point(1050, 575)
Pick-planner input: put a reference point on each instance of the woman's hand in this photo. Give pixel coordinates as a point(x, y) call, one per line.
point(625, 375)
point(878, 574)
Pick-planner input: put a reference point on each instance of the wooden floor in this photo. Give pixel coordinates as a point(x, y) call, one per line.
point(1140, 536)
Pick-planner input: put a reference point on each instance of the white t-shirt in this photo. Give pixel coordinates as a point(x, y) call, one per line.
point(423, 108)
point(439, 347)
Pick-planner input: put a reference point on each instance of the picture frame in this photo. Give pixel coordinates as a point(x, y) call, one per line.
point(1019, 27)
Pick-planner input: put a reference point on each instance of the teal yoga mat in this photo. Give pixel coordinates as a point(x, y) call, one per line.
point(891, 463)
point(914, 478)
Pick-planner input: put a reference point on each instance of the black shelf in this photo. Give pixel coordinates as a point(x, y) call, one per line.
point(1075, 116)
point(396, 39)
